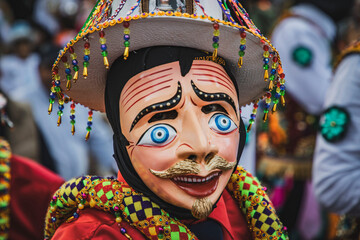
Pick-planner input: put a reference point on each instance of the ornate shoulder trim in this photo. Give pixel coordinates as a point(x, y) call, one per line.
point(353, 48)
point(5, 155)
point(118, 198)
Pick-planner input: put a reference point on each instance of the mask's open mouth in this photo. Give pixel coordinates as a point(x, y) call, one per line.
point(198, 186)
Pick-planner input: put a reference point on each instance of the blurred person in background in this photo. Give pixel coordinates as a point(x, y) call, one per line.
point(336, 164)
point(304, 37)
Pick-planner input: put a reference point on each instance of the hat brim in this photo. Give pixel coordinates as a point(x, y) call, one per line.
point(184, 31)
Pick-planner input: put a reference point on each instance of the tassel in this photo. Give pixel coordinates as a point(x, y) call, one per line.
point(76, 76)
point(240, 62)
point(274, 108)
point(50, 108)
point(282, 100)
point(59, 121)
point(249, 127)
point(106, 62)
point(87, 136)
point(271, 85)
point(266, 75)
point(126, 53)
point(214, 54)
point(68, 85)
point(73, 130)
point(265, 116)
point(85, 72)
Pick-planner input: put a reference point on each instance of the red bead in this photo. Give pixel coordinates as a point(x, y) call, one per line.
point(262, 41)
point(268, 95)
point(64, 58)
point(56, 70)
point(256, 105)
point(243, 34)
point(72, 105)
point(278, 84)
point(126, 24)
point(71, 49)
point(87, 45)
point(282, 75)
point(102, 34)
point(78, 211)
point(275, 59)
point(266, 48)
point(90, 113)
point(216, 26)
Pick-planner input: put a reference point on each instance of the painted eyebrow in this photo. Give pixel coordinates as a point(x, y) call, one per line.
point(160, 106)
point(213, 108)
point(211, 97)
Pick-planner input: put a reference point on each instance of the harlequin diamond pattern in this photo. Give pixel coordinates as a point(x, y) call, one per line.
point(104, 191)
point(140, 208)
point(72, 188)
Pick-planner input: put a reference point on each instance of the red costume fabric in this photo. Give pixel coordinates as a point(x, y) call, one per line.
point(95, 224)
point(31, 189)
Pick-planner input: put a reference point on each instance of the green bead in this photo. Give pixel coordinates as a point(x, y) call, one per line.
point(161, 236)
point(215, 45)
point(57, 89)
point(51, 100)
point(104, 53)
point(241, 53)
point(88, 129)
point(76, 68)
point(266, 110)
point(276, 101)
point(86, 64)
point(272, 77)
point(126, 43)
point(266, 66)
point(282, 92)
point(251, 121)
point(60, 113)
point(72, 122)
point(68, 77)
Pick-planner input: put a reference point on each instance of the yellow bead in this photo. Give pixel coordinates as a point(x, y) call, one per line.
point(61, 101)
point(266, 54)
point(56, 77)
point(73, 56)
point(81, 206)
point(52, 89)
point(90, 119)
point(53, 208)
point(126, 31)
point(275, 65)
point(282, 81)
point(243, 41)
point(277, 90)
point(268, 100)
point(216, 33)
point(72, 111)
point(254, 111)
point(66, 65)
point(102, 40)
point(118, 219)
point(86, 51)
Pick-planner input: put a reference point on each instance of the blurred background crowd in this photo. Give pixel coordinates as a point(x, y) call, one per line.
point(309, 35)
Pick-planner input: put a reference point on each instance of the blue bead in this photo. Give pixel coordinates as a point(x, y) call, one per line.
point(252, 116)
point(53, 219)
point(282, 87)
point(215, 39)
point(72, 117)
point(61, 107)
point(68, 71)
point(126, 37)
point(76, 215)
point(267, 105)
point(57, 83)
point(266, 60)
point(86, 58)
point(74, 62)
point(273, 71)
point(103, 47)
point(123, 230)
point(277, 95)
point(242, 47)
point(89, 124)
point(52, 95)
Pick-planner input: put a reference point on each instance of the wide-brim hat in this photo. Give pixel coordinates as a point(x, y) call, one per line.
point(116, 27)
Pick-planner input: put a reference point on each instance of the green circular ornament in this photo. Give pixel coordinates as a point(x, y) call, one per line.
point(302, 56)
point(334, 123)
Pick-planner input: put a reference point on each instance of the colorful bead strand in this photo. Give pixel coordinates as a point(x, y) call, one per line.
point(282, 88)
point(74, 63)
point(89, 124)
point(72, 117)
point(273, 72)
point(266, 62)
point(215, 40)
point(267, 106)
point(253, 115)
point(60, 112)
point(67, 72)
point(242, 47)
point(56, 77)
point(126, 25)
point(86, 58)
point(103, 48)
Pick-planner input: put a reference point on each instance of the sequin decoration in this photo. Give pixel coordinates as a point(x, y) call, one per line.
point(126, 25)
point(242, 47)
point(86, 58)
point(89, 124)
point(215, 40)
point(75, 63)
point(334, 123)
point(103, 48)
point(253, 115)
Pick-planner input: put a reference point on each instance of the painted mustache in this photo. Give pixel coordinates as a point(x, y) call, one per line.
point(189, 166)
